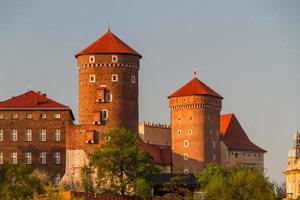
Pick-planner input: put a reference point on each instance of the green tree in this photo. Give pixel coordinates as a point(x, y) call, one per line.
point(121, 163)
point(241, 183)
point(17, 182)
point(86, 179)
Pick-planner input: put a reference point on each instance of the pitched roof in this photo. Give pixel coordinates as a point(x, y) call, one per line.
point(106, 44)
point(195, 87)
point(162, 156)
point(30, 99)
point(233, 135)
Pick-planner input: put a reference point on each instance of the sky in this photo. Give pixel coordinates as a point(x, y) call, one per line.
point(246, 50)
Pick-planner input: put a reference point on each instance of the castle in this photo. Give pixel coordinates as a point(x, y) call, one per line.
point(108, 98)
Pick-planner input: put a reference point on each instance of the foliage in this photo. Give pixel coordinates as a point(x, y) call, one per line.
point(86, 179)
point(52, 192)
point(42, 176)
point(120, 163)
point(142, 188)
point(241, 183)
point(176, 188)
point(17, 182)
point(280, 191)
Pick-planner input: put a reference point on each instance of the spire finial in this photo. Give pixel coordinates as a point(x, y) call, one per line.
point(108, 25)
point(195, 73)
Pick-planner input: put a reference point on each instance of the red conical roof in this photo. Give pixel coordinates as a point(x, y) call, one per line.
point(195, 87)
point(106, 44)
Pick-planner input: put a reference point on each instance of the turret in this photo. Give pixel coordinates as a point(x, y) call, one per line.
point(108, 84)
point(195, 126)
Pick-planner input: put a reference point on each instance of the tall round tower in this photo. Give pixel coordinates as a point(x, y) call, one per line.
point(108, 84)
point(195, 126)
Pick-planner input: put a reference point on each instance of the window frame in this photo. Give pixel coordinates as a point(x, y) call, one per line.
point(92, 78)
point(14, 135)
point(14, 158)
point(43, 158)
point(28, 135)
point(114, 78)
point(104, 111)
point(28, 158)
point(92, 59)
point(43, 135)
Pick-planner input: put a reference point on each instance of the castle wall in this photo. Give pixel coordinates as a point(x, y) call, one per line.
point(158, 134)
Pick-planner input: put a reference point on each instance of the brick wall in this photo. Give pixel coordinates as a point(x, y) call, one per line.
point(36, 124)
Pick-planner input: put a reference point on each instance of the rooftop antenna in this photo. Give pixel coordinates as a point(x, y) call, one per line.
point(195, 73)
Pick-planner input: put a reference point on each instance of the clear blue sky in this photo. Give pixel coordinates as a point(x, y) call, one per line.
point(248, 51)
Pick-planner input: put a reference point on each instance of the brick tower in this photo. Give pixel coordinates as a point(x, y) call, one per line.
point(108, 84)
point(195, 126)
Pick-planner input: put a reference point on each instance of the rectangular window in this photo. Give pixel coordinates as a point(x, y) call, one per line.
point(14, 158)
point(28, 116)
point(57, 116)
point(56, 179)
point(92, 78)
point(28, 135)
point(57, 158)
point(43, 115)
point(15, 116)
point(43, 158)
point(1, 116)
point(132, 79)
point(114, 78)
point(14, 135)
point(108, 97)
point(43, 135)
point(185, 156)
point(114, 59)
point(28, 158)
point(214, 144)
point(1, 135)
point(104, 114)
point(91, 59)
point(1, 158)
point(236, 155)
point(186, 143)
point(57, 135)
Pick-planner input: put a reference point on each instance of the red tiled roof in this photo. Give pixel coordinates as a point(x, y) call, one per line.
point(108, 43)
point(30, 99)
point(159, 155)
point(195, 87)
point(233, 135)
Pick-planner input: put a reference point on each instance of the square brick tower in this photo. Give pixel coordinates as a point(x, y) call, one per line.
point(195, 126)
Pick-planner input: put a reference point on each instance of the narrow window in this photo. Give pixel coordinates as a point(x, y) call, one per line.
point(91, 59)
point(57, 158)
point(114, 78)
point(214, 144)
point(104, 114)
point(43, 135)
point(1, 158)
point(186, 171)
point(236, 155)
point(43, 158)
point(190, 131)
point(92, 78)
point(14, 158)
point(57, 116)
point(1, 116)
point(186, 143)
point(43, 115)
point(1, 135)
point(14, 135)
point(133, 79)
point(57, 135)
point(179, 132)
point(28, 158)
point(108, 97)
point(56, 179)
point(28, 116)
point(185, 156)
point(28, 135)
point(15, 116)
point(114, 59)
